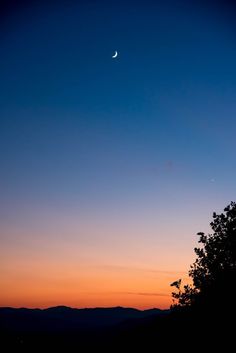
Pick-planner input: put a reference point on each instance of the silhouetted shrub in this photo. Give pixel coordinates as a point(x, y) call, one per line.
point(213, 273)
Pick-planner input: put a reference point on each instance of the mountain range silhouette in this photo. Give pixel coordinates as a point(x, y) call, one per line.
point(109, 329)
point(63, 318)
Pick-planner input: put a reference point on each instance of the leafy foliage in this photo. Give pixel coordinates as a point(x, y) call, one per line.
point(214, 270)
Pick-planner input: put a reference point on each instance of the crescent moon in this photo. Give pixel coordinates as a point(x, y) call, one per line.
point(115, 55)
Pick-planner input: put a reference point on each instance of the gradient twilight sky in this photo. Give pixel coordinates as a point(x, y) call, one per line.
point(109, 167)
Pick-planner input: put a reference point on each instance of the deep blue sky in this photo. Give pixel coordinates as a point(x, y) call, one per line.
point(142, 139)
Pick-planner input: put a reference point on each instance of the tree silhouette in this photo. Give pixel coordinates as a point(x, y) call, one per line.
point(213, 273)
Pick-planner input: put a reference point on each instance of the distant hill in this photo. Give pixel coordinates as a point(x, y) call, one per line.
point(62, 318)
point(108, 329)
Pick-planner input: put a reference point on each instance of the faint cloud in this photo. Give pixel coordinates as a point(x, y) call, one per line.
point(169, 166)
point(142, 269)
point(149, 294)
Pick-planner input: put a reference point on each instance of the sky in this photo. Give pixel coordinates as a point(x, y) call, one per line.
point(109, 167)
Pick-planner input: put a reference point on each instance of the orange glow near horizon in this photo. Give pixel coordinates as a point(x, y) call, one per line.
point(127, 288)
point(93, 270)
point(78, 285)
